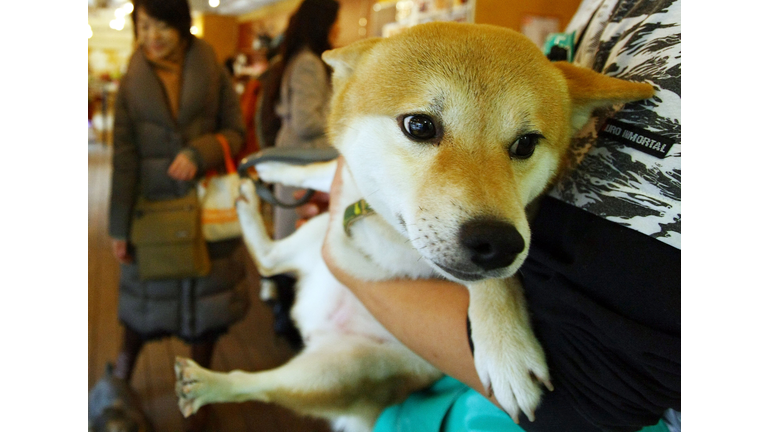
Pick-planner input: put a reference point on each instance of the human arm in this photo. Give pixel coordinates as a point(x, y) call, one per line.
point(124, 183)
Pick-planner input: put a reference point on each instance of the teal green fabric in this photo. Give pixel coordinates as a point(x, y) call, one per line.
point(450, 406)
point(423, 411)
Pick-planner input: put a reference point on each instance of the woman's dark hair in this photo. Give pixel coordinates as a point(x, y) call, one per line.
point(175, 13)
point(310, 26)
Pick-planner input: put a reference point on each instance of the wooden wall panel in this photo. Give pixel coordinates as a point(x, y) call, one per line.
point(221, 31)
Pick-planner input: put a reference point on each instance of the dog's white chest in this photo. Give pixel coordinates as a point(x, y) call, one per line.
point(325, 306)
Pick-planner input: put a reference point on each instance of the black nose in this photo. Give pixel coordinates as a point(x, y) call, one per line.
point(491, 243)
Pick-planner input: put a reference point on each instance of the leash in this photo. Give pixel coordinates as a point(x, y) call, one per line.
point(293, 156)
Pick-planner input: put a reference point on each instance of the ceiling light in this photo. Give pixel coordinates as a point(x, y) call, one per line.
point(194, 30)
point(128, 7)
point(214, 3)
point(117, 24)
point(90, 31)
point(120, 12)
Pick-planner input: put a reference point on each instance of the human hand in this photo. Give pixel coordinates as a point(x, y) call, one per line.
point(316, 205)
point(182, 168)
point(120, 250)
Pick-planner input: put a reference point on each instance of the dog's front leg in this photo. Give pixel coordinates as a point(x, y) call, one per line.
point(296, 253)
point(317, 176)
point(508, 357)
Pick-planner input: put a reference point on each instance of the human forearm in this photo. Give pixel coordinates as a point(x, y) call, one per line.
point(428, 316)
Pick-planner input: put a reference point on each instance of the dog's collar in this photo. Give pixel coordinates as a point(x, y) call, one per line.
point(354, 212)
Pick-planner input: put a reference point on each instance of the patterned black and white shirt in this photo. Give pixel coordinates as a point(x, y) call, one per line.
point(629, 160)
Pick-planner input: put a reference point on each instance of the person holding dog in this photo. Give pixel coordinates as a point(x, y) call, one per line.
point(174, 106)
point(602, 279)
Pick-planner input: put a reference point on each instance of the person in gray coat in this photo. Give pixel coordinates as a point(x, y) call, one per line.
point(172, 101)
point(302, 90)
point(295, 95)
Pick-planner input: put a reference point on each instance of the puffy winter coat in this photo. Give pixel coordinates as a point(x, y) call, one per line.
point(147, 138)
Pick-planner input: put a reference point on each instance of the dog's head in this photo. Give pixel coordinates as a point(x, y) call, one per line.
point(451, 130)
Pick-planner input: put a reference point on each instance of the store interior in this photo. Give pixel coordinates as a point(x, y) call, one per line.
point(242, 32)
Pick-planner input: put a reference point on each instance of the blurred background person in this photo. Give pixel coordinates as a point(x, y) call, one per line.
point(173, 100)
point(301, 94)
point(297, 94)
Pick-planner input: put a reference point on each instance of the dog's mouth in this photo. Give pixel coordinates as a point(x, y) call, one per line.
point(482, 248)
point(464, 276)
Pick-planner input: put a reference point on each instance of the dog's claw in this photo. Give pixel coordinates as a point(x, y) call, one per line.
point(177, 366)
point(529, 414)
point(187, 411)
point(548, 385)
point(192, 387)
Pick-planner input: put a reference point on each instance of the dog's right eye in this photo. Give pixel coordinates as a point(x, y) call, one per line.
point(419, 127)
point(524, 146)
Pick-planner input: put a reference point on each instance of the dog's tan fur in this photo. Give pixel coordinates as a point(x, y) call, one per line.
point(485, 87)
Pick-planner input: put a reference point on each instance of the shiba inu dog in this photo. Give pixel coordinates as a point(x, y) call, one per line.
point(449, 131)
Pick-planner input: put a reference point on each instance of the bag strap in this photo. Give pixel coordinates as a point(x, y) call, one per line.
point(228, 163)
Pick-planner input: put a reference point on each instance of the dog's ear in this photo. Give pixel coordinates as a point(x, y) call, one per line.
point(589, 90)
point(343, 60)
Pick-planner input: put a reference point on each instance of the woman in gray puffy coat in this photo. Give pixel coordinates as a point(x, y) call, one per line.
point(172, 101)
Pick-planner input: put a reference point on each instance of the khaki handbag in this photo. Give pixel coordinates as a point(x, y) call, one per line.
point(168, 239)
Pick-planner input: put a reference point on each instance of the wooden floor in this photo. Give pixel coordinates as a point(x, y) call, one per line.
point(250, 345)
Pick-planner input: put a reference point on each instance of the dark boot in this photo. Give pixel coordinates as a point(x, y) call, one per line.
point(281, 308)
point(129, 352)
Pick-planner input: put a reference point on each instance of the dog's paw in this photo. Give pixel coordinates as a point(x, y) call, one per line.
point(512, 370)
point(247, 204)
point(194, 386)
point(273, 172)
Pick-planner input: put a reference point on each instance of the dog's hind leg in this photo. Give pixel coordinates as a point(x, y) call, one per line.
point(294, 254)
point(338, 376)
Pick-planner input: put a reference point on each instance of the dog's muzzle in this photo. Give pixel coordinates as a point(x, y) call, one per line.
point(491, 244)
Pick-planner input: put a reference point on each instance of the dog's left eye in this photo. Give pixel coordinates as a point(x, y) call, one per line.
point(419, 126)
point(524, 146)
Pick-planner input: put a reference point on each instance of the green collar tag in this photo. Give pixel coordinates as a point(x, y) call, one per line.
point(354, 212)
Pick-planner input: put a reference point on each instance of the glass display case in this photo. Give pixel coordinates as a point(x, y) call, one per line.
point(390, 17)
